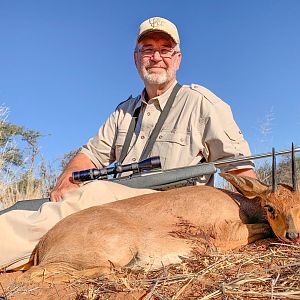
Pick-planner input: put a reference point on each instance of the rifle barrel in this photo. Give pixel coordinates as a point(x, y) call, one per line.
point(251, 157)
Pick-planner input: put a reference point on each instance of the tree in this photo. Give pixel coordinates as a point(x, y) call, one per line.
point(283, 171)
point(21, 177)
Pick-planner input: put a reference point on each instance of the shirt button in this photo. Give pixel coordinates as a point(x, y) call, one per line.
point(181, 140)
point(134, 159)
point(160, 137)
point(148, 114)
point(142, 137)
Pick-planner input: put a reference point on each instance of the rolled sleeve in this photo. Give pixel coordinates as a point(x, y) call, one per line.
point(100, 148)
point(223, 139)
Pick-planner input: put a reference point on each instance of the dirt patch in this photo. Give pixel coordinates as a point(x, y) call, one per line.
point(12, 289)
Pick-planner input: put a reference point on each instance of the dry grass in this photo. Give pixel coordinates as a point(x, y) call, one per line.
point(25, 185)
point(262, 270)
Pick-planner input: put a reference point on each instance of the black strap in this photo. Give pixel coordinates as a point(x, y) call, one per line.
point(160, 122)
point(155, 131)
point(129, 134)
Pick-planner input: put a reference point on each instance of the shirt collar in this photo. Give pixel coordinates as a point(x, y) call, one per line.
point(161, 100)
point(138, 103)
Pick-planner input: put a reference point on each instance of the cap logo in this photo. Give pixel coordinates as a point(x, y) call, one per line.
point(156, 22)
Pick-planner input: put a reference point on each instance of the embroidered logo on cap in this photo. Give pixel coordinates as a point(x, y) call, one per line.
point(156, 22)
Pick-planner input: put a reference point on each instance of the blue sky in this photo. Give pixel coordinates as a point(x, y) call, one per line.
point(65, 65)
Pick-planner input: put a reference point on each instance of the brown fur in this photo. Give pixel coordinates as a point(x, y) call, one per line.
point(157, 229)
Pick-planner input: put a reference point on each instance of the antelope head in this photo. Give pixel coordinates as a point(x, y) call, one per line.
point(282, 205)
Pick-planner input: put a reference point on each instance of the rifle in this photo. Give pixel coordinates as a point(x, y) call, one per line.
point(163, 179)
point(155, 178)
point(148, 174)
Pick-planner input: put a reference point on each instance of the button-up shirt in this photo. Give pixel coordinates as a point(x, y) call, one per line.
point(199, 126)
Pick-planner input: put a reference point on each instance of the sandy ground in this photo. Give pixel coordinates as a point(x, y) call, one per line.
point(11, 289)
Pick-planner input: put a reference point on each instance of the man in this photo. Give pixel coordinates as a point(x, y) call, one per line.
point(199, 125)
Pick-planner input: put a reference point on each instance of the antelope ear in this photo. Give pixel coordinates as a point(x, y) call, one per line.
point(247, 186)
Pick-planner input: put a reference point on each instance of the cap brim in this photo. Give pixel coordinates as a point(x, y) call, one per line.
point(141, 36)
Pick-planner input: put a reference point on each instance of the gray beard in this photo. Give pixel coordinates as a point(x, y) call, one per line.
point(152, 78)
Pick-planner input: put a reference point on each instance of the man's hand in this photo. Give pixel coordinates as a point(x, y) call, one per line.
point(65, 183)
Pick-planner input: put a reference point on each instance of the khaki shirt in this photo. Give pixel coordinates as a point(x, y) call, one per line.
point(199, 125)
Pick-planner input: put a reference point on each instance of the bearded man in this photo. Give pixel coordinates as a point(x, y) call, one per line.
point(199, 126)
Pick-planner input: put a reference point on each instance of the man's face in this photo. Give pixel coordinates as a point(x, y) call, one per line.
point(156, 58)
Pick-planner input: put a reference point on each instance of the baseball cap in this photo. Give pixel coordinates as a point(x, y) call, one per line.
point(158, 24)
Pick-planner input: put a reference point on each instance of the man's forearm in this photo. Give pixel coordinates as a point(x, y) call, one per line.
point(245, 172)
point(79, 162)
point(64, 183)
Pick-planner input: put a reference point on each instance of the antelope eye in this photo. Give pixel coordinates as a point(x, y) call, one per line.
point(269, 209)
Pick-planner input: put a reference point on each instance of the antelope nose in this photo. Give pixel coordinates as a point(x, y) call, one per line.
point(292, 235)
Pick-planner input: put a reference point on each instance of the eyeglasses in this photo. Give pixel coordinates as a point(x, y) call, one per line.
point(164, 52)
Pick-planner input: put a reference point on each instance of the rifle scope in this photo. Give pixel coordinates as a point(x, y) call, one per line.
point(91, 174)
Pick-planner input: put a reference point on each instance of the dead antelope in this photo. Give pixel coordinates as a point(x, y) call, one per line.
point(157, 229)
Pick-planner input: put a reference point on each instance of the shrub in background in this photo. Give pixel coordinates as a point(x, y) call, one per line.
point(21, 175)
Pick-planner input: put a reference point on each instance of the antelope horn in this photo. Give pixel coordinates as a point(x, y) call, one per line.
point(294, 172)
point(274, 183)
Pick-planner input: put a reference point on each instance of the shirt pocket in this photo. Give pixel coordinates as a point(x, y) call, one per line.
point(173, 149)
point(233, 132)
point(173, 137)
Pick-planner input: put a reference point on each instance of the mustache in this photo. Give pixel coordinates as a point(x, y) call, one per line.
point(151, 65)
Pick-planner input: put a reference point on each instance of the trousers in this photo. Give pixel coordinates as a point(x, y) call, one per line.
point(21, 230)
